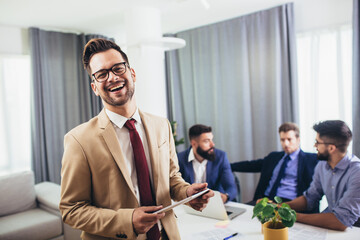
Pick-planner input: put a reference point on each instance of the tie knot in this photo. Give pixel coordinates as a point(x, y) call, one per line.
point(130, 124)
point(287, 158)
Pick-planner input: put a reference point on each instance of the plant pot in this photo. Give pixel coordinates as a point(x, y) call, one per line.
point(275, 234)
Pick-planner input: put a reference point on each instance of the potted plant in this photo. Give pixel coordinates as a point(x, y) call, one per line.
point(275, 217)
point(173, 129)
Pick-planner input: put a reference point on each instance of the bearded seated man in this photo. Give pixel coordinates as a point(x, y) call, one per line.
point(203, 163)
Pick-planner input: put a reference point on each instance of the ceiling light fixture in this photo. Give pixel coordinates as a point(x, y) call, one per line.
point(206, 4)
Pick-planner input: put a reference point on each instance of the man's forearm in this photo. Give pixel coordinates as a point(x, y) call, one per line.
point(298, 204)
point(325, 220)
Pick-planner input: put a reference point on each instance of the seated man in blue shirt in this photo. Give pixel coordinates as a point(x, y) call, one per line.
point(286, 174)
point(203, 163)
point(337, 176)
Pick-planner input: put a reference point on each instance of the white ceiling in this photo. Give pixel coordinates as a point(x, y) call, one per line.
point(107, 16)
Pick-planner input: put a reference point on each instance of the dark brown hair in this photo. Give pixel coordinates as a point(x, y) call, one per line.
point(197, 130)
point(335, 131)
point(97, 45)
point(289, 126)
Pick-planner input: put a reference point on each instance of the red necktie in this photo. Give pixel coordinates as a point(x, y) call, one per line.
point(143, 176)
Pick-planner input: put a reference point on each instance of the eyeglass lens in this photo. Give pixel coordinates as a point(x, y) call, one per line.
point(118, 69)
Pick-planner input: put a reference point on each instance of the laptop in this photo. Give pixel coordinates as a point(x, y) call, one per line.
point(216, 209)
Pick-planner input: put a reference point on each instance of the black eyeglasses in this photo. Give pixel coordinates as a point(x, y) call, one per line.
point(317, 143)
point(103, 74)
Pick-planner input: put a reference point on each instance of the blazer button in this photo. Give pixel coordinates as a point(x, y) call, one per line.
point(121, 235)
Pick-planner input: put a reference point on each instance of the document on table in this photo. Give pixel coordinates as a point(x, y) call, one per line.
point(307, 232)
point(216, 234)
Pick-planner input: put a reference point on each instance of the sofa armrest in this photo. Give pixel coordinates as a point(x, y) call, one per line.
point(48, 196)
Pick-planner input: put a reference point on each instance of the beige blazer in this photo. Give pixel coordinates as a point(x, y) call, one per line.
point(96, 189)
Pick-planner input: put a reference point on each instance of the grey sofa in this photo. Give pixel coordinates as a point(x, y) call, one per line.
point(29, 211)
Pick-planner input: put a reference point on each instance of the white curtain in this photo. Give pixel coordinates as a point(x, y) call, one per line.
point(15, 147)
point(325, 79)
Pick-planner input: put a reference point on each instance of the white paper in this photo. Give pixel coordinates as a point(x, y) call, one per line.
point(307, 232)
point(216, 234)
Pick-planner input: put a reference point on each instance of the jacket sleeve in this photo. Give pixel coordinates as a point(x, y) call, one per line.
point(76, 197)
point(248, 166)
point(227, 179)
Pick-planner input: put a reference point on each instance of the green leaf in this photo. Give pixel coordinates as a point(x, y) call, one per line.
point(288, 223)
point(268, 211)
point(293, 215)
point(285, 214)
point(278, 199)
point(257, 209)
point(285, 205)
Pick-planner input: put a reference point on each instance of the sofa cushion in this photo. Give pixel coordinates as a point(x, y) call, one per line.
point(31, 224)
point(17, 192)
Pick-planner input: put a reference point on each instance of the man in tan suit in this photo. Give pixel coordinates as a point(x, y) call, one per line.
point(100, 191)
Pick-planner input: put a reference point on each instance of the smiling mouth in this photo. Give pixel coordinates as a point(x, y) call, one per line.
point(117, 87)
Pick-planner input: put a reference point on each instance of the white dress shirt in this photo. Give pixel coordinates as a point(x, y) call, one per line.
point(199, 168)
point(122, 134)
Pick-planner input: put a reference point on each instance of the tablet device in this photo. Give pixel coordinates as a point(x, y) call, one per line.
point(216, 209)
point(188, 199)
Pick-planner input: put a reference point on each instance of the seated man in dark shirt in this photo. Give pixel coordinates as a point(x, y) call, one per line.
point(286, 174)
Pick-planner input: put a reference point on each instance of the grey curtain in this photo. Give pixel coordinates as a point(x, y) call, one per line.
point(239, 76)
point(356, 78)
point(61, 97)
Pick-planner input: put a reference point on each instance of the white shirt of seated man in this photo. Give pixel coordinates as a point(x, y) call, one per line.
point(199, 168)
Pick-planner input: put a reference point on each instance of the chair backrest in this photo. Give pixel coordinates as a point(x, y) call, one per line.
point(17, 192)
point(237, 181)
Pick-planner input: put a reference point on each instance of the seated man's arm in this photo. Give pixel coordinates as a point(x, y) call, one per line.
point(227, 180)
point(298, 204)
point(247, 166)
point(256, 165)
point(325, 220)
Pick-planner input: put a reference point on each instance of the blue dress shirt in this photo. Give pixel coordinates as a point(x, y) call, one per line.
point(341, 187)
point(288, 184)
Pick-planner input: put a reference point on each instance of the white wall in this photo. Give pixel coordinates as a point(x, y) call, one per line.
point(313, 14)
point(13, 40)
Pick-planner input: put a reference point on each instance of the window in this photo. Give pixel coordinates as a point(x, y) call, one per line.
point(325, 79)
point(15, 138)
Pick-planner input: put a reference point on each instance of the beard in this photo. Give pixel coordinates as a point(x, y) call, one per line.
point(323, 156)
point(206, 153)
point(119, 101)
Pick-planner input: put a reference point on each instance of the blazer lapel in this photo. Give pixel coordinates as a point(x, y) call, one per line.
point(189, 166)
point(112, 143)
point(300, 166)
point(153, 145)
point(209, 173)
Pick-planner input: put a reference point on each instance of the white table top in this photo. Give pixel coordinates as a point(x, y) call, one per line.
point(196, 227)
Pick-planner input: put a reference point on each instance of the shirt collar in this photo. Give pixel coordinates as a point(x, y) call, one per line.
point(344, 162)
point(294, 154)
point(120, 120)
point(192, 158)
point(191, 155)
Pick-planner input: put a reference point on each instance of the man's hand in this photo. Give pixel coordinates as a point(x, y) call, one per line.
point(224, 197)
point(199, 203)
point(143, 218)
